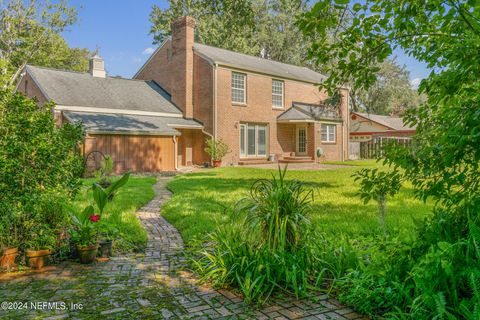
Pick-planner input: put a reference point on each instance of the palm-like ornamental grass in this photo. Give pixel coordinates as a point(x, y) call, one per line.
point(276, 209)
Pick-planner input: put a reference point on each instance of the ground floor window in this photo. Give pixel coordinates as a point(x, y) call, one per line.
point(253, 140)
point(329, 132)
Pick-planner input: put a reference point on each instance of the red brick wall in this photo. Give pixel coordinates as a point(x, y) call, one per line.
point(258, 109)
point(31, 89)
point(158, 69)
point(203, 92)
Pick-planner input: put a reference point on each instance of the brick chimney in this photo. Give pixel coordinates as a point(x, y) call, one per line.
point(181, 64)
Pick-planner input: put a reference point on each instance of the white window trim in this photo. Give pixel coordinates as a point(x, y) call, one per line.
point(245, 137)
point(282, 95)
point(328, 126)
point(244, 88)
point(297, 142)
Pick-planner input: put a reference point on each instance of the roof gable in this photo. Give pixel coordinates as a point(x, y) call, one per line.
point(393, 123)
point(67, 88)
point(309, 113)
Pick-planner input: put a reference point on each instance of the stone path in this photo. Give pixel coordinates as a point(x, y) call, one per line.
point(153, 285)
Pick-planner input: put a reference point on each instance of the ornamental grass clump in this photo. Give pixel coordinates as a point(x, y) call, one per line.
point(267, 248)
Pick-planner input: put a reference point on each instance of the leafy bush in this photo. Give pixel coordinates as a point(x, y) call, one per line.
point(216, 148)
point(40, 167)
point(267, 248)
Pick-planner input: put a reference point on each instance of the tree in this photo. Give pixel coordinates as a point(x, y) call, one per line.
point(446, 37)
point(227, 24)
point(390, 94)
point(30, 33)
point(443, 164)
point(263, 28)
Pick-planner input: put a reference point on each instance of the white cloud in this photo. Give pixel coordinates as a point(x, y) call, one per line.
point(136, 60)
point(148, 50)
point(416, 82)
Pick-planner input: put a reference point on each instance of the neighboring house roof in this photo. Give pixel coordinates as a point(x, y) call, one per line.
point(308, 113)
point(394, 123)
point(257, 64)
point(130, 124)
point(67, 88)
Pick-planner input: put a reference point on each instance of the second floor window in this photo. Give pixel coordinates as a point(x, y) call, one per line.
point(277, 94)
point(238, 87)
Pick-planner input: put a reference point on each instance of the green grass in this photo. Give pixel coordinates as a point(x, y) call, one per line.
point(121, 211)
point(201, 200)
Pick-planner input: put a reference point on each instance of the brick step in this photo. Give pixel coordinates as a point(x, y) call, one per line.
point(297, 158)
point(253, 161)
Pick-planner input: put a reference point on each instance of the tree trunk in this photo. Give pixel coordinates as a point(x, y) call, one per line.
point(382, 204)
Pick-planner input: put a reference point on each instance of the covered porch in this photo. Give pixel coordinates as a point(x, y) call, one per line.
point(306, 128)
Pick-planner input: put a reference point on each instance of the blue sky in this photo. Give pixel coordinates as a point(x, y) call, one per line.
point(121, 29)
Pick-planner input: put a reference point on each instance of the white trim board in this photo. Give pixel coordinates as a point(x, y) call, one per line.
point(117, 111)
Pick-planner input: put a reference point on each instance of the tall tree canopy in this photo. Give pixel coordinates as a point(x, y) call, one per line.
point(30, 33)
point(444, 35)
point(390, 94)
point(268, 28)
point(257, 27)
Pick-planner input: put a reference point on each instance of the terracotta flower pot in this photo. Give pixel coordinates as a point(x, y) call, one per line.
point(87, 254)
point(7, 259)
point(217, 163)
point(37, 259)
point(105, 250)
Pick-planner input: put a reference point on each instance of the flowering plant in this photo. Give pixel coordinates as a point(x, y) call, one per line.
point(85, 230)
point(87, 223)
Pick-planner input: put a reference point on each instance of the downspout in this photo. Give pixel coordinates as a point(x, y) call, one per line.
point(214, 101)
point(346, 130)
point(175, 154)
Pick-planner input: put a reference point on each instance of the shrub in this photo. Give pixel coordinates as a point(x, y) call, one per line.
point(267, 248)
point(40, 167)
point(216, 148)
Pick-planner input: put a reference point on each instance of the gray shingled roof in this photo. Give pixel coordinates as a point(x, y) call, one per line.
point(308, 112)
point(117, 123)
point(252, 63)
point(69, 88)
point(394, 123)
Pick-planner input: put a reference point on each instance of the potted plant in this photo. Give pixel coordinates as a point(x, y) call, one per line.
point(85, 234)
point(39, 246)
point(216, 149)
point(107, 234)
point(8, 239)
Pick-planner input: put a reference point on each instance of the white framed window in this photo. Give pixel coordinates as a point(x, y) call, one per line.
point(329, 133)
point(253, 140)
point(238, 88)
point(277, 93)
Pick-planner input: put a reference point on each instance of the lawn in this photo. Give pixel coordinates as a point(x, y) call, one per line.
point(121, 211)
point(202, 199)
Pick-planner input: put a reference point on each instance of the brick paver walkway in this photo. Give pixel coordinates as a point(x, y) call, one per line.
point(153, 285)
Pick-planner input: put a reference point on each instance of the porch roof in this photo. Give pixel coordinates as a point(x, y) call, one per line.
point(106, 123)
point(304, 112)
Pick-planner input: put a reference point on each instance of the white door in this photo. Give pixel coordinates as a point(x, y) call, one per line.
point(301, 141)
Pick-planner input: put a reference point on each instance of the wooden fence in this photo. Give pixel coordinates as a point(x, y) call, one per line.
point(374, 148)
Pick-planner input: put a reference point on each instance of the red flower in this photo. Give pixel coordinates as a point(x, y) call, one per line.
point(94, 217)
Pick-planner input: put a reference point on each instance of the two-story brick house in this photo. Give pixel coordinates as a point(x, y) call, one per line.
point(187, 92)
point(259, 107)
